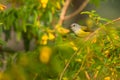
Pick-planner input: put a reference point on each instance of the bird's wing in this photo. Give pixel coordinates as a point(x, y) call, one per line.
point(82, 33)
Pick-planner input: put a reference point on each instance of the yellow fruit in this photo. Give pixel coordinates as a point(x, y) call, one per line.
point(44, 3)
point(58, 5)
point(107, 53)
point(73, 46)
point(107, 78)
point(62, 30)
point(51, 36)
point(45, 54)
point(65, 78)
point(2, 7)
point(44, 39)
point(44, 42)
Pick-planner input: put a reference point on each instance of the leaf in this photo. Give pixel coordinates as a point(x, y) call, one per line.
point(19, 35)
point(95, 2)
point(1, 23)
point(2, 42)
point(50, 16)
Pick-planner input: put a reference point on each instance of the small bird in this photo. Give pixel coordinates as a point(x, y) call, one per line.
point(77, 29)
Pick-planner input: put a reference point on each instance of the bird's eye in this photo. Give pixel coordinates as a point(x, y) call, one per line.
point(73, 25)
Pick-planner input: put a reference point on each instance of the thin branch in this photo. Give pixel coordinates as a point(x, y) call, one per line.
point(115, 20)
point(2, 6)
point(36, 75)
point(96, 74)
point(4, 62)
point(77, 73)
point(64, 10)
point(87, 75)
point(92, 34)
point(77, 11)
point(62, 73)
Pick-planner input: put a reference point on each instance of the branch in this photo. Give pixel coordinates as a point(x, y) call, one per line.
point(87, 75)
point(62, 73)
point(4, 63)
point(115, 20)
point(77, 11)
point(92, 34)
point(81, 66)
point(2, 7)
point(64, 10)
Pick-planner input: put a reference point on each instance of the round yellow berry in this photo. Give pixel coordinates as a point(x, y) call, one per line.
point(45, 54)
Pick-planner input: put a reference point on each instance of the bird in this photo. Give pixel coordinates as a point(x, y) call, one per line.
point(77, 29)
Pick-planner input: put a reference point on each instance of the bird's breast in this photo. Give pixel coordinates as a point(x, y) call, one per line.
point(81, 33)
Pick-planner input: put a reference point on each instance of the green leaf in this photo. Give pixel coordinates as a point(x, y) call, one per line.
point(50, 16)
point(18, 35)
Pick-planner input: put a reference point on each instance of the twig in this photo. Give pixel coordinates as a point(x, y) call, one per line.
point(3, 6)
point(118, 19)
point(92, 34)
point(64, 10)
point(77, 73)
point(96, 74)
point(87, 75)
point(34, 78)
point(77, 11)
point(75, 76)
point(62, 73)
point(4, 62)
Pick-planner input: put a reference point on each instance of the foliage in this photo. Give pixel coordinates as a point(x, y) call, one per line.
point(96, 2)
point(94, 57)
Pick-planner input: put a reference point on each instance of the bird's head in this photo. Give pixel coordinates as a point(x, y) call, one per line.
point(75, 27)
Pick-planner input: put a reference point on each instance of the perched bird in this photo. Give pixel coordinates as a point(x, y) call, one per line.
point(77, 29)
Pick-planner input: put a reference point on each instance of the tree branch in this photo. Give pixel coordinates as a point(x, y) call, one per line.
point(77, 11)
point(92, 34)
point(64, 10)
point(115, 20)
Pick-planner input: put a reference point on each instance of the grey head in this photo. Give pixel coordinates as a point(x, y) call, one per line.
point(75, 27)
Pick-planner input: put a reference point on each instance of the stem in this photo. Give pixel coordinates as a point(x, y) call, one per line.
point(77, 11)
point(62, 73)
point(64, 10)
point(92, 34)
